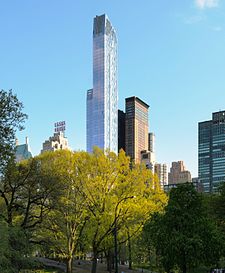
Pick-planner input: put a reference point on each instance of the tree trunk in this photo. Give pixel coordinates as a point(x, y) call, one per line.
point(109, 260)
point(184, 264)
point(184, 268)
point(69, 265)
point(129, 250)
point(122, 254)
point(113, 260)
point(94, 262)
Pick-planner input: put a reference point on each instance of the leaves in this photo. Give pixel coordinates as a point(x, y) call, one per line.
point(11, 119)
point(71, 201)
point(183, 235)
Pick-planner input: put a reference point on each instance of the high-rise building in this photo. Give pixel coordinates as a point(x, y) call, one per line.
point(211, 152)
point(178, 173)
point(102, 100)
point(151, 142)
point(136, 128)
point(121, 130)
point(161, 171)
point(56, 142)
point(23, 151)
point(148, 157)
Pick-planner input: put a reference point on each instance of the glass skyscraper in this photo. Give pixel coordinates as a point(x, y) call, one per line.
point(102, 100)
point(211, 152)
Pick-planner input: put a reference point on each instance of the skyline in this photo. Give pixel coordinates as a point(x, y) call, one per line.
point(170, 55)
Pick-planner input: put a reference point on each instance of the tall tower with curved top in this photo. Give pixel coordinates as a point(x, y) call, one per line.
point(102, 100)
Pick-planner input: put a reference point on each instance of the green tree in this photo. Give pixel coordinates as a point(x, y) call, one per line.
point(25, 189)
point(4, 248)
point(11, 119)
point(63, 226)
point(216, 206)
point(184, 236)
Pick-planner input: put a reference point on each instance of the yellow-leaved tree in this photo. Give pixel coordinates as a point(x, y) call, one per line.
point(99, 199)
point(63, 226)
point(119, 200)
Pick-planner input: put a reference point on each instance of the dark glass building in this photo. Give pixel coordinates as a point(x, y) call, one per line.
point(211, 152)
point(121, 130)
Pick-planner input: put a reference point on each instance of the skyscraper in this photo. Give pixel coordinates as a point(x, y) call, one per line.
point(148, 157)
point(151, 142)
point(136, 128)
point(102, 100)
point(178, 173)
point(121, 130)
point(161, 171)
point(211, 152)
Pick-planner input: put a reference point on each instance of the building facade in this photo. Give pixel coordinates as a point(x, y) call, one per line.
point(148, 157)
point(121, 130)
point(102, 100)
point(23, 151)
point(178, 173)
point(211, 152)
point(161, 171)
point(136, 138)
point(57, 142)
point(151, 142)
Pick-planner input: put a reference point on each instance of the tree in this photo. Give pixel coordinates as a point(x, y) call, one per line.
point(25, 189)
point(216, 206)
point(63, 226)
point(4, 248)
point(59, 198)
point(11, 119)
point(117, 197)
point(184, 236)
point(149, 198)
point(98, 186)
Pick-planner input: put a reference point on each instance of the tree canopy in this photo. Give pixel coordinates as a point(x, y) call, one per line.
point(11, 119)
point(97, 193)
point(183, 235)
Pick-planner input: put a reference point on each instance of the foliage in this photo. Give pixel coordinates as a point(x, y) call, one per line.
point(25, 189)
point(4, 248)
point(216, 206)
point(63, 226)
point(119, 199)
point(143, 252)
point(184, 236)
point(11, 119)
point(67, 202)
point(14, 249)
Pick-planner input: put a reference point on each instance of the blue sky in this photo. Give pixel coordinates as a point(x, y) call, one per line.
point(171, 55)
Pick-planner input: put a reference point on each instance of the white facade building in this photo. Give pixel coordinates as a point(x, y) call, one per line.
point(162, 173)
point(56, 142)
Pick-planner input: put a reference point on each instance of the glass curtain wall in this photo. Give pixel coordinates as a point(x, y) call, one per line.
point(103, 115)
